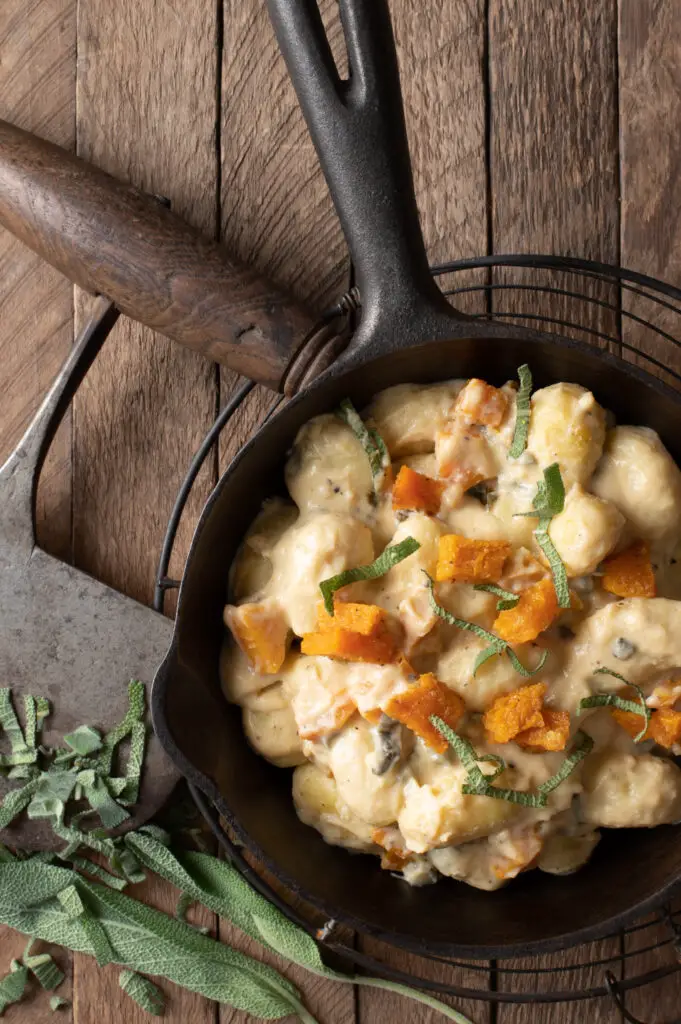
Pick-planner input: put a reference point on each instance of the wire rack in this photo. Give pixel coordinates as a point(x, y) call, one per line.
point(627, 313)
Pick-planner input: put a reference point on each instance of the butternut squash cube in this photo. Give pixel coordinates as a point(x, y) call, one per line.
point(630, 573)
point(427, 697)
point(665, 727)
point(416, 491)
point(367, 619)
point(534, 612)
point(515, 712)
point(350, 646)
point(479, 402)
point(261, 631)
point(465, 560)
point(552, 735)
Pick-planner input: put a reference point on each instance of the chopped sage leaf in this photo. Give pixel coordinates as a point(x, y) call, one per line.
point(507, 599)
point(612, 700)
point(45, 970)
point(522, 413)
point(84, 740)
point(12, 986)
point(583, 745)
point(549, 501)
point(370, 440)
point(143, 992)
point(495, 645)
point(385, 561)
point(57, 1003)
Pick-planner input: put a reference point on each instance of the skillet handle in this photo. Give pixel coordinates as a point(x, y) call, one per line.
point(112, 239)
point(359, 132)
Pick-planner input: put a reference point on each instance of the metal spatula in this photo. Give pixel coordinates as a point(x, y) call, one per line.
point(63, 635)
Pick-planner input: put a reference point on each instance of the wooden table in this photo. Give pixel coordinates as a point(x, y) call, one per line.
point(535, 125)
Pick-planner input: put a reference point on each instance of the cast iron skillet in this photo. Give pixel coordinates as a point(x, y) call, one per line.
point(407, 332)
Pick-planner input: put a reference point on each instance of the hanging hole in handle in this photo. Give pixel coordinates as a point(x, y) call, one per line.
point(617, 996)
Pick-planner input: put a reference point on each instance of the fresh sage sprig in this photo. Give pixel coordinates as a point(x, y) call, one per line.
point(370, 440)
point(495, 644)
point(522, 412)
point(604, 700)
point(383, 564)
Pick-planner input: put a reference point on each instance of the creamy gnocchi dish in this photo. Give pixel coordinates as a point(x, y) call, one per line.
point(462, 629)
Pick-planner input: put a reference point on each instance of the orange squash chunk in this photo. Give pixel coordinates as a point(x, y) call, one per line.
point(367, 619)
point(427, 697)
point(479, 402)
point(534, 612)
point(552, 735)
point(630, 722)
point(465, 560)
point(665, 727)
point(515, 712)
point(350, 646)
point(332, 721)
point(261, 631)
point(630, 573)
point(413, 490)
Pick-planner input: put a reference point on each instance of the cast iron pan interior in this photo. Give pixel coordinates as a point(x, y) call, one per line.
point(407, 333)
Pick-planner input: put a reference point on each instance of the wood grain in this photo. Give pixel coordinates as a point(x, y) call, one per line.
point(554, 158)
point(37, 91)
point(554, 151)
point(146, 113)
point(650, 126)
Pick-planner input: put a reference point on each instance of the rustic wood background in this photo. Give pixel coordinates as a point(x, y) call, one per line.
point(535, 125)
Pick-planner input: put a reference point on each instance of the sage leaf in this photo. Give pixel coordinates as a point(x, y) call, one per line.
point(84, 740)
point(143, 992)
point(384, 563)
point(370, 440)
point(57, 1003)
point(12, 986)
point(46, 971)
point(10, 722)
point(522, 413)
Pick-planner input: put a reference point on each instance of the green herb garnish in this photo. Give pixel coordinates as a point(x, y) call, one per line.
point(507, 599)
point(143, 992)
point(605, 700)
point(495, 645)
point(479, 784)
point(522, 412)
point(385, 561)
point(370, 440)
point(548, 502)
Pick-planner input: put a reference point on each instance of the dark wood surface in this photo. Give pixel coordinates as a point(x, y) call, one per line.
point(534, 125)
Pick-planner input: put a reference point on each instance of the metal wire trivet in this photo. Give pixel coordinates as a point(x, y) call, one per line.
point(609, 307)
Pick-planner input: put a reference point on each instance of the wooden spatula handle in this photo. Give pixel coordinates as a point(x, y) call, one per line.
point(113, 240)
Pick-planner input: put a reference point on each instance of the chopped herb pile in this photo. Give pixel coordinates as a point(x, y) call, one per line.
point(495, 644)
point(522, 413)
point(383, 564)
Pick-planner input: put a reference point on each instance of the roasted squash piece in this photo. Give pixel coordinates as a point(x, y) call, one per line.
point(367, 619)
point(350, 646)
point(427, 697)
point(465, 560)
point(479, 402)
point(515, 712)
point(630, 573)
point(394, 855)
point(534, 612)
point(630, 722)
point(552, 735)
point(261, 631)
point(665, 727)
point(413, 490)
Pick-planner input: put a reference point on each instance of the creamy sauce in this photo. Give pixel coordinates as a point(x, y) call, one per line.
point(368, 783)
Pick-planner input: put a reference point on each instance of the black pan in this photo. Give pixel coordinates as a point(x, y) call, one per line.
point(407, 332)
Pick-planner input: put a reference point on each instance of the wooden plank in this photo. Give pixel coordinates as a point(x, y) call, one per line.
point(554, 152)
point(441, 54)
point(37, 92)
point(146, 112)
point(650, 126)
point(554, 162)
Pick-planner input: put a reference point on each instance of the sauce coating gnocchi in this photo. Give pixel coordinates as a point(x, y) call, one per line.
point(496, 680)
